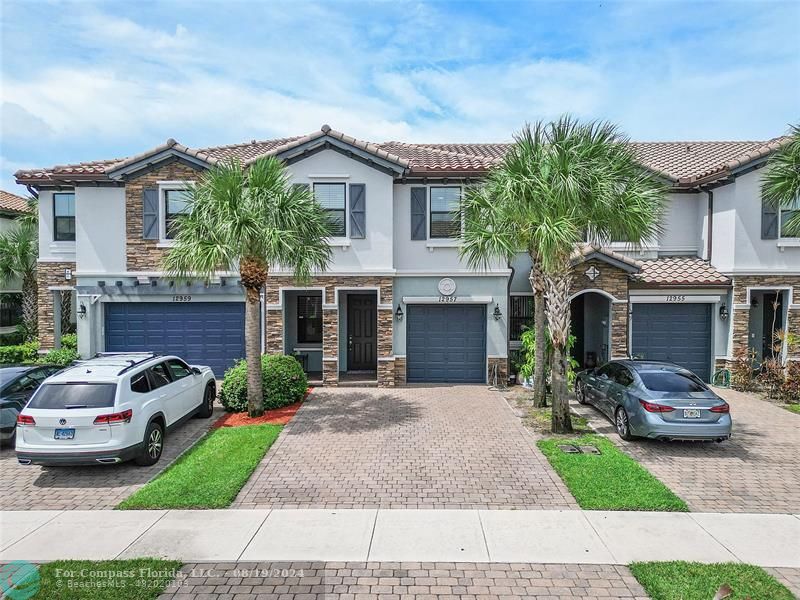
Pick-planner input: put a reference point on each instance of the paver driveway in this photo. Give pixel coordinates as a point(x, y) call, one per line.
point(31, 487)
point(757, 470)
point(415, 447)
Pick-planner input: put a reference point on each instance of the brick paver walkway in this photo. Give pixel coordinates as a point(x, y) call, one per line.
point(409, 581)
point(31, 487)
point(416, 447)
point(757, 470)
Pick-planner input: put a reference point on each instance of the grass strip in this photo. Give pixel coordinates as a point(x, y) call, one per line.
point(210, 474)
point(611, 480)
point(697, 581)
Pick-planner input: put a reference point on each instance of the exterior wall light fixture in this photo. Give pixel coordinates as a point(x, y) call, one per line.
point(723, 312)
point(399, 313)
point(82, 311)
point(497, 314)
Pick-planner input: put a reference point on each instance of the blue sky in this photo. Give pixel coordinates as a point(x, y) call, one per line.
point(84, 80)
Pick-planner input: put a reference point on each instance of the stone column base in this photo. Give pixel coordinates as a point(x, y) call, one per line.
point(399, 371)
point(330, 372)
point(386, 373)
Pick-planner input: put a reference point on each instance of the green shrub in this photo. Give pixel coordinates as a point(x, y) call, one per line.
point(282, 376)
point(61, 357)
point(70, 340)
point(11, 339)
point(20, 353)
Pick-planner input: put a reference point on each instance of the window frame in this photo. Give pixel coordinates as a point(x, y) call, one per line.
point(163, 210)
point(56, 217)
point(793, 206)
point(459, 220)
point(299, 328)
point(181, 364)
point(513, 319)
point(345, 209)
point(152, 379)
point(144, 374)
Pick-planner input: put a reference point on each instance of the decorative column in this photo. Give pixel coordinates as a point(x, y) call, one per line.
point(386, 361)
point(274, 319)
point(330, 345)
point(619, 329)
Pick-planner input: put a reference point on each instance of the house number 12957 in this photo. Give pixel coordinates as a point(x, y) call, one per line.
point(447, 299)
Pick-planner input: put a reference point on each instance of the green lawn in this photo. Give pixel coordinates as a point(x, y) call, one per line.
point(608, 481)
point(210, 474)
point(696, 581)
point(795, 408)
point(138, 579)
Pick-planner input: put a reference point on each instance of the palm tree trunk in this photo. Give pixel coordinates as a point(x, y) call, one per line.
point(254, 275)
point(539, 320)
point(30, 307)
point(557, 285)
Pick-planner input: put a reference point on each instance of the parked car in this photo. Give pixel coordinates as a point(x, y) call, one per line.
point(17, 384)
point(112, 408)
point(657, 400)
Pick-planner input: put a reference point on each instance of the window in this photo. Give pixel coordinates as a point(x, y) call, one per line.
point(178, 369)
point(10, 310)
point(309, 319)
point(139, 383)
point(175, 204)
point(788, 212)
point(159, 376)
point(678, 382)
point(623, 377)
point(74, 395)
point(521, 315)
point(445, 212)
point(64, 217)
point(331, 196)
point(24, 384)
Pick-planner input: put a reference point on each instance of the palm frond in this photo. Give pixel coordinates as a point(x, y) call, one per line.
point(781, 180)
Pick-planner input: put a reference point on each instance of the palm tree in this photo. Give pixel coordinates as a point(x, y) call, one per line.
point(19, 249)
point(255, 218)
point(781, 184)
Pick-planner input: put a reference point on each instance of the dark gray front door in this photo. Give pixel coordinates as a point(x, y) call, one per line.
point(362, 336)
point(202, 333)
point(446, 344)
point(679, 333)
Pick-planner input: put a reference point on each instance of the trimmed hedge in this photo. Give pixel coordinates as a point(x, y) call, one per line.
point(282, 377)
point(70, 340)
point(21, 353)
point(61, 357)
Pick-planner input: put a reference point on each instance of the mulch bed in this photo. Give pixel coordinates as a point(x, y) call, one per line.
point(276, 416)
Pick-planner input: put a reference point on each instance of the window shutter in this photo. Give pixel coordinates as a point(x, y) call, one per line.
point(150, 213)
point(419, 213)
point(769, 221)
point(358, 208)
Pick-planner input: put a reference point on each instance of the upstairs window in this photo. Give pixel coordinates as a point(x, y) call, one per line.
point(787, 212)
point(175, 204)
point(445, 212)
point(64, 217)
point(309, 319)
point(521, 316)
point(331, 196)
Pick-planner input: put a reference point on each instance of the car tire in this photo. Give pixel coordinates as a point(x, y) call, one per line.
point(153, 445)
point(580, 392)
point(623, 425)
point(207, 408)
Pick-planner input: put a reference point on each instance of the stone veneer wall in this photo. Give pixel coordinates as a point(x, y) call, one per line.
point(399, 370)
point(144, 255)
point(330, 346)
point(274, 320)
point(615, 282)
point(741, 315)
point(49, 274)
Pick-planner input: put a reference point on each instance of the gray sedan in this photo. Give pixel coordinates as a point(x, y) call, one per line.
point(657, 400)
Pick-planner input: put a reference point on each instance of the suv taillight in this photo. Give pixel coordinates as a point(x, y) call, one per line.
point(651, 407)
point(25, 420)
point(722, 408)
point(120, 417)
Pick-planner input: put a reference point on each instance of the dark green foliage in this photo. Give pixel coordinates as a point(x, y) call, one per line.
point(284, 383)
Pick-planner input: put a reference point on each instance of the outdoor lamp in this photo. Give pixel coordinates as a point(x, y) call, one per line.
point(399, 313)
point(82, 311)
point(723, 312)
point(497, 314)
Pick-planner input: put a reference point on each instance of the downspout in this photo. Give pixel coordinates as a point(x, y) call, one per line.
point(710, 237)
point(32, 191)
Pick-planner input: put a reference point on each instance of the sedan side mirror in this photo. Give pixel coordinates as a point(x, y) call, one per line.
point(196, 371)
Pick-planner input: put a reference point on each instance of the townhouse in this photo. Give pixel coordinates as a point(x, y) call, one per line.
point(12, 207)
point(397, 305)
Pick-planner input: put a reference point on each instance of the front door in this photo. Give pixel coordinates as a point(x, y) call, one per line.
point(362, 336)
point(773, 321)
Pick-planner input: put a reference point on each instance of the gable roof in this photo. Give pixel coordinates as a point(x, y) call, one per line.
point(11, 203)
point(686, 164)
point(584, 252)
point(679, 270)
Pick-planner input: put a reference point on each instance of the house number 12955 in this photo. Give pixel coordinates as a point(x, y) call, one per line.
point(676, 298)
point(182, 298)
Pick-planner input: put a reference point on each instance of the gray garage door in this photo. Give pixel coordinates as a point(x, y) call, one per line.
point(203, 333)
point(446, 344)
point(679, 333)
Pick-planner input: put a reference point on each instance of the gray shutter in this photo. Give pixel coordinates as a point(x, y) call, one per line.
point(419, 213)
point(769, 221)
point(358, 208)
point(150, 213)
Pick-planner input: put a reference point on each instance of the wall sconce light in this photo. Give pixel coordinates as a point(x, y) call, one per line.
point(68, 274)
point(399, 313)
point(497, 314)
point(82, 311)
point(723, 312)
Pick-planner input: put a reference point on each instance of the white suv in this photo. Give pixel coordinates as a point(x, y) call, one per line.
point(112, 408)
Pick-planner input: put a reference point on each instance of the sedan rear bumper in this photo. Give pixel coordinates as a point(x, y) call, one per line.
point(654, 427)
point(26, 457)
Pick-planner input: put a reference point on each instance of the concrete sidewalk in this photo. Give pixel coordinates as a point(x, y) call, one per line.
point(514, 536)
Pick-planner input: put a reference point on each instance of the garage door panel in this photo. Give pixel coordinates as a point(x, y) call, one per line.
point(446, 344)
point(209, 333)
point(679, 333)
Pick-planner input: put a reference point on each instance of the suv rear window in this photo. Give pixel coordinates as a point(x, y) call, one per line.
point(663, 381)
point(74, 395)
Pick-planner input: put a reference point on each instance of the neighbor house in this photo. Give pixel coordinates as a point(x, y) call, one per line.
point(12, 207)
point(397, 304)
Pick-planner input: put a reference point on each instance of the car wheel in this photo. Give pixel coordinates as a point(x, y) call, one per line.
point(623, 424)
point(580, 392)
point(153, 445)
point(207, 408)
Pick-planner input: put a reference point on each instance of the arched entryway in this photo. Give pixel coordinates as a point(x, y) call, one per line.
point(591, 325)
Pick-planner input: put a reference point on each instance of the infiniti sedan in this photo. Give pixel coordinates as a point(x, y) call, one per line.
point(17, 384)
point(657, 400)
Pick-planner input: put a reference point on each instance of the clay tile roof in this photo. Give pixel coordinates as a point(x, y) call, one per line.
point(679, 270)
point(582, 251)
point(429, 159)
point(12, 203)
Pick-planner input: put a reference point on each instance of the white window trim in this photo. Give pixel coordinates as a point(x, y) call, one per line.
point(163, 187)
point(792, 240)
point(442, 242)
point(339, 241)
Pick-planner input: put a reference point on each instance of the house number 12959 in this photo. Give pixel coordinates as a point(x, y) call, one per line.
point(182, 298)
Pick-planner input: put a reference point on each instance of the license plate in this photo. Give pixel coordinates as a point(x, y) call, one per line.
point(64, 434)
point(691, 413)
